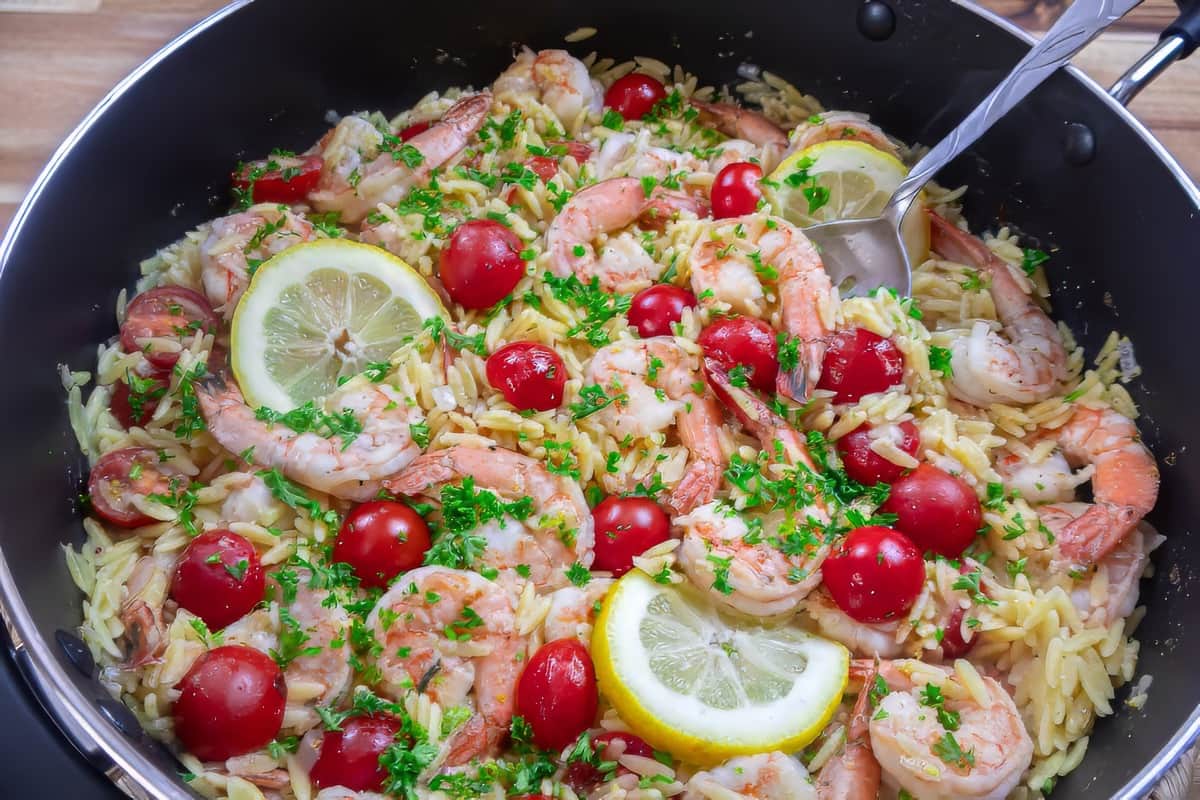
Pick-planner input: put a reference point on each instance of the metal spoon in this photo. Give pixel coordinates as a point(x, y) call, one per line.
point(862, 254)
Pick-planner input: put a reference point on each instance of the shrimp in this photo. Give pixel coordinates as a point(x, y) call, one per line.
point(765, 776)
point(322, 677)
point(742, 123)
point(1025, 369)
point(349, 469)
point(445, 632)
point(838, 126)
point(573, 610)
point(145, 633)
point(634, 155)
point(653, 381)
point(728, 265)
point(910, 741)
point(257, 233)
point(863, 639)
point(553, 77)
point(353, 184)
point(558, 533)
point(853, 774)
point(1050, 480)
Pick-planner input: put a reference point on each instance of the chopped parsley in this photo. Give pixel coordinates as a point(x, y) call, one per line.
point(601, 306)
point(291, 494)
point(310, 419)
point(463, 510)
point(578, 574)
point(1031, 259)
point(592, 398)
point(721, 573)
point(949, 751)
point(439, 330)
point(939, 360)
point(191, 421)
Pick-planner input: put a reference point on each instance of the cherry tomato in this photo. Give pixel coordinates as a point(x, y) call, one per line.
point(859, 362)
point(735, 190)
point(414, 129)
point(350, 757)
point(556, 694)
point(627, 527)
point(874, 574)
point(481, 263)
point(865, 465)
point(219, 578)
point(583, 777)
point(119, 476)
point(634, 95)
point(953, 644)
point(745, 342)
point(938, 511)
point(230, 703)
point(279, 179)
point(530, 376)
point(544, 167)
point(137, 407)
point(168, 312)
point(654, 309)
point(381, 539)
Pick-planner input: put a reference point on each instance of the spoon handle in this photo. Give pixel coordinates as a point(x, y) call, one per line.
point(1077, 26)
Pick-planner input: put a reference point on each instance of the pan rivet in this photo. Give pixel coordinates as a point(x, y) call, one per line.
point(1079, 144)
point(876, 20)
point(76, 652)
point(120, 716)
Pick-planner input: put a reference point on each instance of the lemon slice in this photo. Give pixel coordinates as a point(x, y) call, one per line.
point(859, 179)
point(694, 682)
point(320, 311)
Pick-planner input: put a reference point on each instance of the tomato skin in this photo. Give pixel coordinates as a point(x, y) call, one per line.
point(230, 703)
point(481, 263)
point(110, 484)
point(583, 777)
point(735, 190)
point(874, 574)
point(634, 95)
point(381, 539)
point(859, 362)
point(868, 467)
point(953, 644)
point(271, 187)
point(210, 590)
point(544, 167)
point(627, 527)
point(160, 313)
point(350, 757)
point(654, 309)
point(531, 376)
point(938, 511)
point(414, 129)
point(120, 404)
point(747, 342)
point(556, 694)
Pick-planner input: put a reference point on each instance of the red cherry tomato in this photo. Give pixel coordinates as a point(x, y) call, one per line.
point(634, 95)
point(530, 376)
point(279, 179)
point(556, 694)
point(544, 167)
point(745, 342)
point(874, 574)
point(169, 312)
point(230, 703)
point(953, 644)
point(653, 310)
point(121, 475)
point(219, 578)
point(627, 527)
point(136, 408)
point(350, 757)
point(381, 539)
point(865, 465)
point(414, 129)
point(735, 190)
point(481, 263)
point(859, 362)
point(938, 511)
point(583, 777)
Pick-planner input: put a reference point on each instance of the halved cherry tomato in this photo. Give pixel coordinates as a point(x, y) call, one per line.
point(230, 703)
point(654, 309)
point(556, 694)
point(219, 578)
point(953, 644)
point(414, 129)
point(627, 527)
point(634, 95)
point(135, 397)
point(938, 511)
point(381, 539)
point(530, 376)
point(544, 167)
point(165, 312)
point(583, 777)
point(865, 465)
point(745, 342)
point(279, 179)
point(350, 757)
point(735, 190)
point(481, 263)
point(120, 475)
point(859, 362)
point(874, 574)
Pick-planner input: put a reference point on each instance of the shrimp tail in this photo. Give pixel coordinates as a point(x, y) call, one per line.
point(769, 428)
point(741, 123)
point(144, 632)
point(854, 773)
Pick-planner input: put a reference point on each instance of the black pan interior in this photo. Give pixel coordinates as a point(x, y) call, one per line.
point(1122, 227)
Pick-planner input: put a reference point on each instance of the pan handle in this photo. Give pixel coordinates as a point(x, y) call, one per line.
point(1177, 42)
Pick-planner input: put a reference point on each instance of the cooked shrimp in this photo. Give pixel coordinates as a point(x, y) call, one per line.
point(353, 185)
point(863, 639)
point(742, 123)
point(553, 77)
point(853, 773)
point(840, 125)
point(731, 261)
point(352, 470)
point(653, 381)
point(765, 776)
point(908, 737)
point(1050, 480)
point(573, 610)
point(987, 369)
point(322, 677)
point(257, 233)
point(145, 633)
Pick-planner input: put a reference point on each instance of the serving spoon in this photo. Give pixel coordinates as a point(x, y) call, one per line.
point(863, 254)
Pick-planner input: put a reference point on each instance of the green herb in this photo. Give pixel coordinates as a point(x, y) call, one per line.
point(236, 571)
point(519, 175)
point(439, 330)
point(291, 641)
point(721, 573)
point(817, 197)
point(1015, 568)
point(182, 500)
point(420, 433)
point(592, 398)
point(648, 184)
point(279, 748)
point(949, 751)
point(142, 391)
point(523, 570)
point(263, 231)
point(601, 306)
point(310, 419)
point(463, 510)
point(939, 360)
point(191, 421)
point(973, 282)
point(459, 629)
point(613, 120)
point(578, 574)
point(291, 494)
point(737, 376)
point(1031, 259)
point(210, 639)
